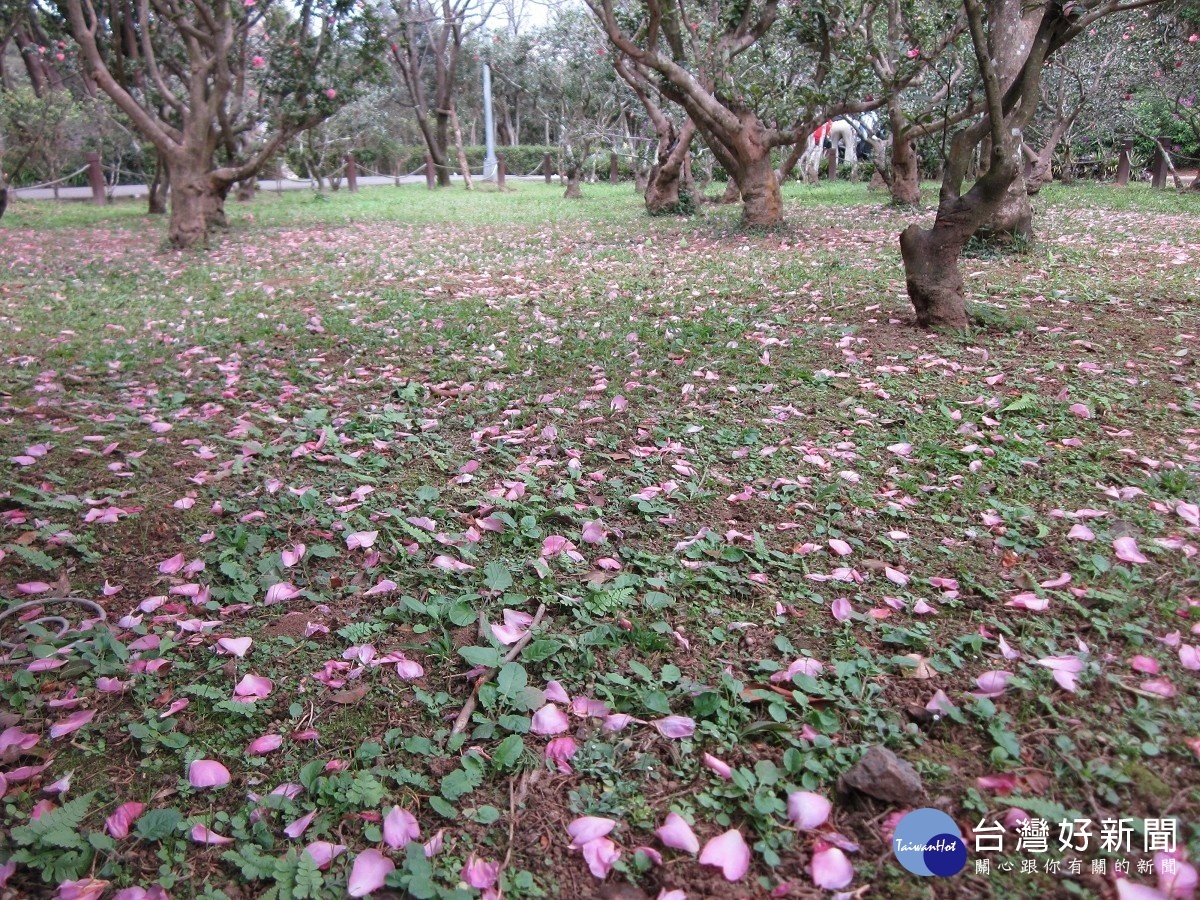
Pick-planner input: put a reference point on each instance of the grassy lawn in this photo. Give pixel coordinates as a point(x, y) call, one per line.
point(375, 434)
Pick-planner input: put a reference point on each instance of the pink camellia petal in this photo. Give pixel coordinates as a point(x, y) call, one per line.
point(677, 834)
point(399, 828)
point(841, 609)
point(993, 682)
point(385, 586)
point(293, 555)
point(206, 773)
point(278, 593)
point(940, 703)
point(15, 737)
point(560, 750)
point(721, 768)
point(1189, 657)
point(1127, 550)
point(729, 853)
point(172, 565)
point(830, 867)
point(901, 449)
point(71, 723)
point(1065, 668)
point(234, 646)
point(202, 834)
point(807, 810)
point(370, 871)
point(118, 824)
point(450, 564)
point(1179, 881)
point(593, 532)
point(323, 852)
point(556, 693)
point(1080, 532)
point(803, 665)
point(1144, 664)
point(1029, 601)
point(297, 828)
point(1003, 784)
point(895, 576)
point(268, 743)
point(616, 722)
point(1080, 410)
point(409, 670)
point(600, 855)
point(253, 686)
point(33, 587)
point(589, 828)
point(83, 889)
point(361, 540)
point(480, 874)
point(840, 548)
point(1160, 686)
point(675, 727)
point(664, 894)
point(516, 624)
point(434, 845)
point(549, 720)
point(1006, 651)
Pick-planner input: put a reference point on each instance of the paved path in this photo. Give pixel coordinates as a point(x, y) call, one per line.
point(139, 191)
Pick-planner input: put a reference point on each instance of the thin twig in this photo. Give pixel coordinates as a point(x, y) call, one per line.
point(464, 717)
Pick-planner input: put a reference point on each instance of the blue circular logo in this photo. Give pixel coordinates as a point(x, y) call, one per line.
point(927, 842)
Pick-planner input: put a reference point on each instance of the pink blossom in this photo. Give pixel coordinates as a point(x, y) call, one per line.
point(118, 824)
point(480, 874)
point(370, 871)
point(204, 773)
point(1127, 550)
point(600, 855)
point(729, 853)
point(677, 834)
point(323, 852)
point(549, 720)
point(399, 828)
point(830, 868)
point(807, 810)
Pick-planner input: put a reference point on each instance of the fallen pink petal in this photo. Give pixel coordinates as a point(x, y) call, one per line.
point(808, 811)
point(729, 853)
point(369, 873)
point(206, 773)
point(677, 834)
point(830, 867)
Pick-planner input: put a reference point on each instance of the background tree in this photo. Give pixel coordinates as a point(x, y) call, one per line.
point(1031, 34)
point(427, 47)
point(197, 78)
point(669, 187)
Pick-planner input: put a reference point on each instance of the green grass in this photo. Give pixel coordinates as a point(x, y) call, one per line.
point(412, 355)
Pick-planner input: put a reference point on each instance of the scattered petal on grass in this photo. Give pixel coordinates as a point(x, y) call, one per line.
point(370, 871)
point(206, 773)
point(808, 811)
point(122, 818)
point(399, 828)
point(268, 743)
point(830, 868)
point(717, 766)
point(729, 853)
point(234, 646)
point(675, 727)
point(71, 723)
point(549, 720)
point(253, 687)
point(297, 828)
point(1127, 551)
point(588, 828)
point(677, 834)
point(600, 856)
point(323, 852)
point(480, 874)
point(357, 540)
point(202, 834)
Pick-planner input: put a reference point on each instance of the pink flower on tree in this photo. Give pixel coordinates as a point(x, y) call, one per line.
point(330, 93)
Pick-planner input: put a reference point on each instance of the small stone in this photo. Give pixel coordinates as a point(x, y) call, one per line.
point(885, 776)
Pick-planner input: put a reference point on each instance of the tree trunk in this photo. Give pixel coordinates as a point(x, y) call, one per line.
point(245, 190)
point(440, 148)
point(3, 200)
point(574, 172)
point(1012, 218)
point(669, 171)
point(762, 202)
point(906, 173)
point(732, 192)
point(458, 147)
point(935, 285)
point(197, 205)
point(158, 187)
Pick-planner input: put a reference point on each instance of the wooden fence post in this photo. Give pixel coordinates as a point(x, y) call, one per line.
point(1125, 162)
point(96, 178)
point(351, 173)
point(832, 153)
point(501, 171)
point(429, 178)
point(547, 167)
point(1159, 179)
point(614, 172)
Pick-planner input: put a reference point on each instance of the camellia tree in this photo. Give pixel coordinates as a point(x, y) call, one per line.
point(1025, 36)
point(753, 76)
point(219, 86)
